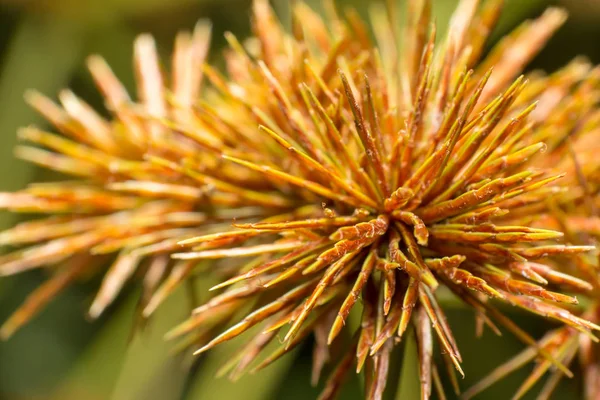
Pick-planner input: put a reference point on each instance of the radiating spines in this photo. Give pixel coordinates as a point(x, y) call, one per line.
point(125, 204)
point(572, 210)
point(332, 183)
point(452, 201)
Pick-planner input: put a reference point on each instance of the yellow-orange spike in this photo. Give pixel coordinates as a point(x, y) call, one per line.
point(352, 297)
point(425, 340)
point(115, 278)
point(471, 199)
point(303, 183)
point(366, 137)
point(239, 251)
point(42, 295)
point(510, 55)
point(312, 299)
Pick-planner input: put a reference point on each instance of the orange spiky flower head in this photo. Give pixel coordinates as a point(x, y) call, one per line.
point(391, 170)
point(413, 170)
point(573, 148)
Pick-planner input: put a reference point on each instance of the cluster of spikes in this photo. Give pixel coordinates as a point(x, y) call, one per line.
point(574, 211)
point(340, 181)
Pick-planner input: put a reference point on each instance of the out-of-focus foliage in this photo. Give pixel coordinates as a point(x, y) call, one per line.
point(43, 44)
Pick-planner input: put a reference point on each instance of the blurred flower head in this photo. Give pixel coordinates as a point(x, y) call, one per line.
point(369, 175)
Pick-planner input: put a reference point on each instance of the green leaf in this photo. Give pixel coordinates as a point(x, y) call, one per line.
point(151, 370)
point(94, 374)
point(409, 386)
point(258, 386)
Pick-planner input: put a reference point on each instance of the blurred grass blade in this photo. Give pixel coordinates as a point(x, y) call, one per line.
point(151, 370)
point(409, 386)
point(94, 375)
point(259, 386)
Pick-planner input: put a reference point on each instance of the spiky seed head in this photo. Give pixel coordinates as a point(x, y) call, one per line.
point(388, 170)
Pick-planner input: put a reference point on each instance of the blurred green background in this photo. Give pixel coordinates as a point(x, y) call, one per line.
point(60, 355)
